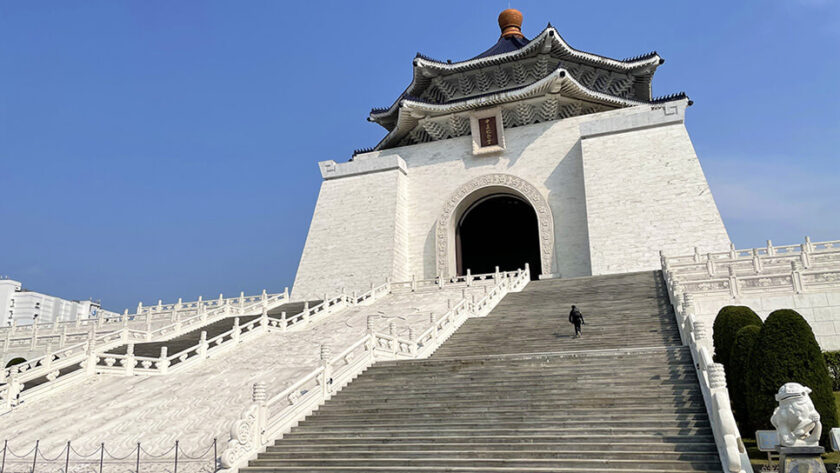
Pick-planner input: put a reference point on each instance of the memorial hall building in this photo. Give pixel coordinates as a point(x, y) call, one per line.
point(531, 151)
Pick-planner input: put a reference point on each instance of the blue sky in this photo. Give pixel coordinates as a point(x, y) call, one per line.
point(159, 149)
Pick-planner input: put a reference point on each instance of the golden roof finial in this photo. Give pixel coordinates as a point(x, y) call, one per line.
point(510, 21)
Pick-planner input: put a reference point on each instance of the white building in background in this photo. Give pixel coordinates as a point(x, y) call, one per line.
point(24, 306)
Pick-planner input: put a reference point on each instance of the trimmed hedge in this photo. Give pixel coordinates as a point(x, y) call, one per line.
point(745, 341)
point(832, 361)
point(786, 351)
point(729, 320)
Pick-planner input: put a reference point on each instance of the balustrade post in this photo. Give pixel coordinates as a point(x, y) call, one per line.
point(264, 320)
point(306, 313)
point(710, 265)
point(13, 327)
point(463, 293)
point(326, 375)
point(804, 256)
point(259, 397)
point(264, 296)
point(149, 327)
point(48, 358)
point(160, 305)
point(241, 301)
point(286, 292)
point(808, 244)
point(440, 281)
point(125, 318)
point(202, 345)
point(236, 330)
point(200, 307)
point(528, 268)
point(733, 283)
point(469, 277)
point(756, 261)
point(697, 256)
point(130, 360)
point(771, 251)
point(62, 339)
point(90, 365)
point(732, 253)
point(33, 342)
point(283, 322)
point(413, 283)
point(163, 363)
point(796, 277)
point(392, 330)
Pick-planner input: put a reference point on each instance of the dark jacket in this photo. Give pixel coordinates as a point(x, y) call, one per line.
point(576, 317)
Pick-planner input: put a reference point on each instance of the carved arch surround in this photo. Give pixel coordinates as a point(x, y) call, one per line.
point(479, 187)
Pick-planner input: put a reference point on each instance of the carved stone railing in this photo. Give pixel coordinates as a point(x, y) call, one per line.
point(809, 267)
point(55, 369)
point(61, 334)
point(733, 454)
point(754, 261)
point(172, 329)
point(267, 418)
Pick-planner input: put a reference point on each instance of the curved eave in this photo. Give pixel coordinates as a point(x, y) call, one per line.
point(549, 40)
point(560, 82)
point(538, 45)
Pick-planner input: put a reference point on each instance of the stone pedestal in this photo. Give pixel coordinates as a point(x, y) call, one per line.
point(801, 460)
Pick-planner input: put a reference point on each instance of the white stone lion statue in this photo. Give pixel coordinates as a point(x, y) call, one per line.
point(796, 419)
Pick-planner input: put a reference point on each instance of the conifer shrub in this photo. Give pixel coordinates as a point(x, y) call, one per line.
point(729, 320)
point(786, 351)
point(736, 374)
point(832, 361)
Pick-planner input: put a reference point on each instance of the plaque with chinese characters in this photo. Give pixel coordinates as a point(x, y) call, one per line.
point(488, 133)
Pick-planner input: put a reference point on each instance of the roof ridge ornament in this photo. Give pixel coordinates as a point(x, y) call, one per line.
point(510, 22)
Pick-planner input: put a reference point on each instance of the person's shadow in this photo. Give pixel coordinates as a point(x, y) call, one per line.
point(559, 335)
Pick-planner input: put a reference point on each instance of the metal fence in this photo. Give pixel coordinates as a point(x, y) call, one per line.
point(101, 460)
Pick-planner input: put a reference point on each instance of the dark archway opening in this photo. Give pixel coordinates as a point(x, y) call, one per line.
point(498, 230)
point(15, 361)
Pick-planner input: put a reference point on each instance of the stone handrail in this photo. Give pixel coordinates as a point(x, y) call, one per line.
point(268, 418)
point(93, 357)
point(753, 260)
point(173, 329)
point(712, 379)
point(154, 313)
point(62, 333)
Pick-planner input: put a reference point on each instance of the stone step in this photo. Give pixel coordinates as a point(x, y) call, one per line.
point(486, 410)
point(532, 424)
point(317, 447)
point(566, 462)
point(525, 453)
point(411, 431)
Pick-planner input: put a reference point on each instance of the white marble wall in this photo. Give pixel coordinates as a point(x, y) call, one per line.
point(820, 309)
point(643, 190)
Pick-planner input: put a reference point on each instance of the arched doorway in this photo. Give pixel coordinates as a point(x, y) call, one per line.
point(498, 230)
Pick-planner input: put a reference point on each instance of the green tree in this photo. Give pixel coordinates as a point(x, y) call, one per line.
point(736, 374)
point(729, 320)
point(786, 351)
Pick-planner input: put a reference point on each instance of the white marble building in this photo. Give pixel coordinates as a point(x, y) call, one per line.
point(572, 137)
point(23, 306)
